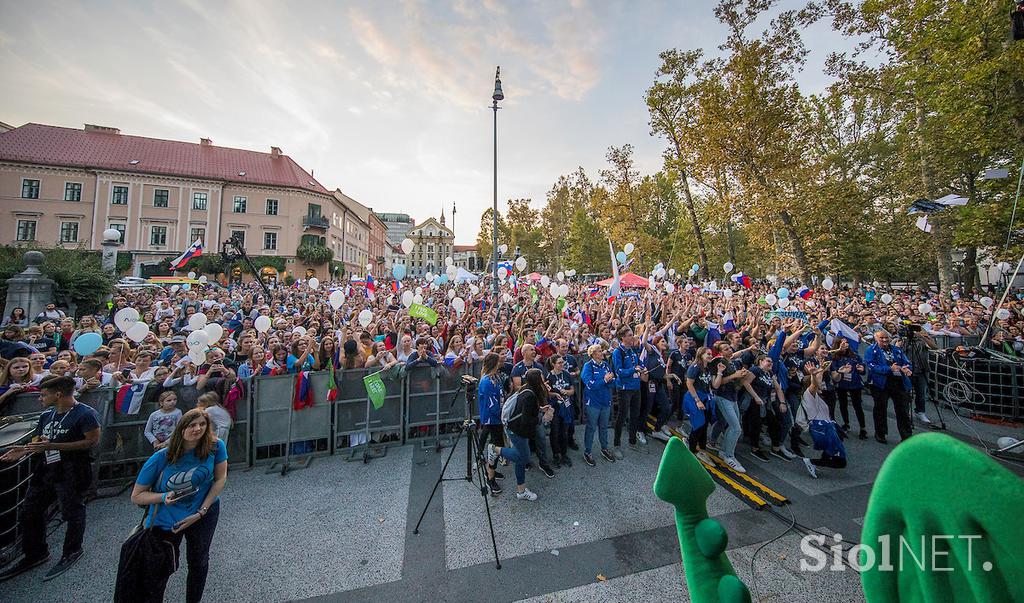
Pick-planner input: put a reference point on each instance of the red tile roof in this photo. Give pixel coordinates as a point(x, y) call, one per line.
point(90, 149)
point(456, 248)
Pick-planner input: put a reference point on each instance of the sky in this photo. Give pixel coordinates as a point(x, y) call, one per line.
point(388, 101)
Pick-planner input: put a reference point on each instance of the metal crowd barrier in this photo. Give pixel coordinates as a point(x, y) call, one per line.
point(987, 386)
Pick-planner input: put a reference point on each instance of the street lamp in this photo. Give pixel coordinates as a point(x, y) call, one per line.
point(497, 96)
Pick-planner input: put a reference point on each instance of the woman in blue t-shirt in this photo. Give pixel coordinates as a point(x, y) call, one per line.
point(699, 402)
point(181, 484)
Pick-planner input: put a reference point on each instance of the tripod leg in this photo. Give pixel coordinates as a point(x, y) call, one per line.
point(482, 476)
point(440, 478)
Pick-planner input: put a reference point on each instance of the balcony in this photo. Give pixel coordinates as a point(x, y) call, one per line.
point(315, 222)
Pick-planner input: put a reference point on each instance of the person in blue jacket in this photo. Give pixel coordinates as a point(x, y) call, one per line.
point(490, 395)
point(889, 373)
point(699, 402)
point(597, 378)
point(848, 373)
point(626, 362)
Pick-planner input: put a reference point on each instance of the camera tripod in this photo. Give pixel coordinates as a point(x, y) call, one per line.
point(469, 428)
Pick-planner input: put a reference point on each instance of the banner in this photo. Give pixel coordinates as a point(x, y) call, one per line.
point(375, 389)
point(421, 311)
point(784, 314)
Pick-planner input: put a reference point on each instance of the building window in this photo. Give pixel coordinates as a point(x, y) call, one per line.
point(199, 200)
point(271, 208)
point(69, 232)
point(72, 191)
point(29, 189)
point(158, 235)
point(197, 234)
point(313, 210)
point(119, 228)
point(119, 195)
point(270, 240)
point(239, 235)
point(26, 230)
point(239, 206)
point(160, 197)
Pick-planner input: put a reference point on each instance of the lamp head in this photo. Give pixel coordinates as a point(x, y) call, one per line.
point(498, 94)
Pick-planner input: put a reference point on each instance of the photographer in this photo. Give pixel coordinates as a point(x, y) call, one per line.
point(65, 433)
point(918, 342)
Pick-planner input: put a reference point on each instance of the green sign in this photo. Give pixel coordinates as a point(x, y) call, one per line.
point(421, 311)
point(375, 389)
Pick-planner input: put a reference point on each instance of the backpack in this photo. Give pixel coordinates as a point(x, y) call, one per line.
point(509, 408)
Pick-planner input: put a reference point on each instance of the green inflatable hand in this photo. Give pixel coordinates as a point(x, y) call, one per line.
point(684, 483)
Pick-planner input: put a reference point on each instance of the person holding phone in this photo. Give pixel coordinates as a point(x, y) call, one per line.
point(181, 485)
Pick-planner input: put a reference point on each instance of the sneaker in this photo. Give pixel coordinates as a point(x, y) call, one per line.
point(499, 475)
point(810, 468)
point(734, 464)
point(880, 439)
point(546, 470)
point(923, 418)
point(63, 565)
point(589, 459)
point(641, 438)
point(494, 487)
point(704, 458)
point(796, 451)
point(765, 441)
point(608, 456)
point(846, 427)
point(526, 495)
point(780, 454)
point(23, 565)
point(529, 466)
point(661, 435)
point(573, 445)
point(491, 452)
point(558, 461)
point(617, 453)
point(789, 454)
point(566, 460)
point(760, 455)
point(713, 446)
point(863, 434)
point(503, 461)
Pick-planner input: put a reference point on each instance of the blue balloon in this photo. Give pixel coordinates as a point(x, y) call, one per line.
point(186, 286)
point(696, 267)
point(621, 256)
point(398, 270)
point(783, 293)
point(443, 279)
point(88, 343)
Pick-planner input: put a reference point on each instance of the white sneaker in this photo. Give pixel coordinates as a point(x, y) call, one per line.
point(714, 446)
point(923, 418)
point(641, 439)
point(526, 495)
point(492, 454)
point(704, 458)
point(810, 468)
point(786, 452)
point(661, 435)
point(734, 464)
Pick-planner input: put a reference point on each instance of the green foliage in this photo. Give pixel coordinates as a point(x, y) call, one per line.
point(314, 255)
point(76, 272)
point(289, 280)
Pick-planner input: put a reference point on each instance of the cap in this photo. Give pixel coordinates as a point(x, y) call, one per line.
point(178, 339)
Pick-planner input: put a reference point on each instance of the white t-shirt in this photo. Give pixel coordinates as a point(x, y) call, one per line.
point(815, 407)
point(221, 421)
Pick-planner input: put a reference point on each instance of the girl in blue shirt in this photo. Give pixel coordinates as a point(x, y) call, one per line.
point(490, 395)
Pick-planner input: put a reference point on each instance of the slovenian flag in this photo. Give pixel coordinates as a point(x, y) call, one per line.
point(714, 335)
point(804, 293)
point(129, 398)
point(371, 287)
point(593, 291)
point(613, 291)
point(584, 318)
point(841, 329)
point(741, 279)
point(728, 323)
point(194, 251)
point(515, 284)
point(332, 385)
point(396, 286)
point(303, 391)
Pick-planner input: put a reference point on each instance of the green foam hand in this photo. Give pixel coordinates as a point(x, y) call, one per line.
point(940, 504)
point(684, 483)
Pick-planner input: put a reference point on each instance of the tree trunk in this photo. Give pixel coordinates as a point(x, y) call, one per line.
point(798, 246)
point(940, 232)
point(730, 239)
point(971, 268)
point(702, 251)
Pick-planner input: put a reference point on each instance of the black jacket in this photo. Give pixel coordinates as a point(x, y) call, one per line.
point(525, 425)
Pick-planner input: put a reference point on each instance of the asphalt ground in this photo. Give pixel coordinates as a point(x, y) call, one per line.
point(342, 531)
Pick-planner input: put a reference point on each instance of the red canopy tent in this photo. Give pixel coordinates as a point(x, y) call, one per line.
point(533, 276)
point(629, 280)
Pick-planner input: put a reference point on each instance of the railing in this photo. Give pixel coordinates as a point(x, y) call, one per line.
point(315, 222)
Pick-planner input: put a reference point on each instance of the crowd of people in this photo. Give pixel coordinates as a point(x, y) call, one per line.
point(749, 374)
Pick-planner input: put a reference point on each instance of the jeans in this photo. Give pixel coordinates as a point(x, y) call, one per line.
point(493, 433)
point(629, 401)
point(64, 482)
point(542, 441)
point(662, 405)
point(198, 538)
point(597, 420)
point(728, 421)
point(921, 393)
point(784, 421)
point(900, 405)
point(519, 455)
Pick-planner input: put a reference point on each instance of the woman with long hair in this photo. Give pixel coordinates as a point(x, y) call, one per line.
point(381, 357)
point(181, 484)
point(522, 426)
point(848, 374)
point(490, 395)
point(699, 402)
point(87, 324)
point(256, 364)
point(16, 377)
point(328, 355)
point(17, 318)
point(560, 398)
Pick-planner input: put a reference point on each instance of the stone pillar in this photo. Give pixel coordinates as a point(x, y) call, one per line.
point(29, 289)
point(108, 255)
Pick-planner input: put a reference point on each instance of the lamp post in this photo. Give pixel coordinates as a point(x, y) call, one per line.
point(497, 96)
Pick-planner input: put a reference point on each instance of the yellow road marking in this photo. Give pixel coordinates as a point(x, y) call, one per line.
point(737, 488)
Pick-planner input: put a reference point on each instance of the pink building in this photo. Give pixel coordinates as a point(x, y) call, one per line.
point(64, 186)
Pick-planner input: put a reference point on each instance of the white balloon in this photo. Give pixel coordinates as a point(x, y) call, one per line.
point(727, 293)
point(571, 272)
point(137, 332)
point(451, 294)
point(783, 303)
point(727, 267)
point(713, 285)
point(810, 303)
point(197, 355)
point(197, 339)
point(827, 284)
point(545, 281)
point(520, 263)
point(197, 321)
point(434, 286)
point(365, 318)
point(1002, 313)
point(452, 272)
point(174, 289)
point(474, 289)
point(563, 290)
point(417, 299)
point(336, 298)
point(126, 318)
point(459, 304)
point(692, 272)
point(262, 324)
point(448, 261)
point(924, 308)
point(502, 248)
point(770, 299)
point(299, 330)
point(886, 298)
point(560, 276)
point(314, 283)
point(191, 274)
point(986, 301)
point(407, 297)
point(203, 279)
point(669, 287)
point(671, 271)
point(629, 248)
point(553, 288)
point(419, 291)
point(429, 276)
point(214, 330)
point(506, 297)
point(502, 273)
point(408, 245)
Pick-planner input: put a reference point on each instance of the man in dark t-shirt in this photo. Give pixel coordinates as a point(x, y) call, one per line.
point(63, 438)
